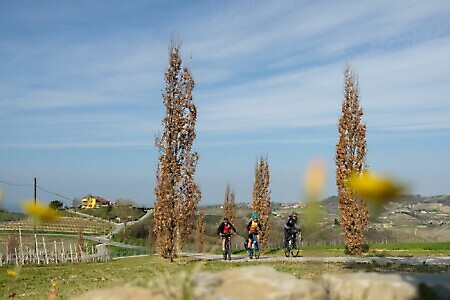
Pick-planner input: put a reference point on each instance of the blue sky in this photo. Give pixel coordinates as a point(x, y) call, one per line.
point(81, 83)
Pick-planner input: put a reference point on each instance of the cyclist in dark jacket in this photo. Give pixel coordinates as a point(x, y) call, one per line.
point(290, 227)
point(225, 228)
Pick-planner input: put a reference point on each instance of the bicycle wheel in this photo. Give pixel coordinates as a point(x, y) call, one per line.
point(228, 250)
point(295, 249)
point(287, 249)
point(256, 251)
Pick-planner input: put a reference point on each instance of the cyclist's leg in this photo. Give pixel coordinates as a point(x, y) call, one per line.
point(223, 243)
point(286, 238)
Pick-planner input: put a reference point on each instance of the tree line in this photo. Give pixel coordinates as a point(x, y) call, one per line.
point(178, 195)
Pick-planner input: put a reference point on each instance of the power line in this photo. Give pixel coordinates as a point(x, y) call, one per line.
point(16, 184)
point(37, 186)
point(55, 194)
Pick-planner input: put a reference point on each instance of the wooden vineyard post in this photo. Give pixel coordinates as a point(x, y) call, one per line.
point(76, 253)
point(45, 251)
point(55, 252)
point(63, 258)
point(37, 250)
point(21, 246)
point(7, 254)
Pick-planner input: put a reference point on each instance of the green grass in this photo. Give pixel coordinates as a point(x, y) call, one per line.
point(414, 246)
point(9, 216)
point(34, 281)
point(121, 252)
point(398, 249)
point(412, 249)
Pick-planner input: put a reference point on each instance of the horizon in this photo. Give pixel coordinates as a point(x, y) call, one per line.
point(81, 83)
point(248, 203)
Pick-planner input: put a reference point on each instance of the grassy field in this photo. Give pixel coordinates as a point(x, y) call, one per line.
point(113, 212)
point(35, 281)
point(380, 250)
point(8, 216)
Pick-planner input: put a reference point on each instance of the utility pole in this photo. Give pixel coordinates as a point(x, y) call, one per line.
point(35, 185)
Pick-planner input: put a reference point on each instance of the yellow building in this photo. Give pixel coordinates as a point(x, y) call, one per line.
point(94, 202)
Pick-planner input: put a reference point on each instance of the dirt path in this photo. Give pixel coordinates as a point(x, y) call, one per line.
point(444, 260)
point(104, 240)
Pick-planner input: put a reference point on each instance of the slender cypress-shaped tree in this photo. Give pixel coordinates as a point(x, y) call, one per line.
point(229, 205)
point(200, 233)
point(351, 151)
point(177, 195)
point(261, 198)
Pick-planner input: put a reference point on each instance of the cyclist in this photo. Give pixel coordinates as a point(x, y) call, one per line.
point(290, 227)
point(225, 228)
point(253, 227)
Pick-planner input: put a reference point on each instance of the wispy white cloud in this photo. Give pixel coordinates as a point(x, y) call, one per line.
point(256, 66)
point(76, 145)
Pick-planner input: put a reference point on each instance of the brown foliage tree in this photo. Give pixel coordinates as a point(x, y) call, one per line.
point(80, 244)
point(229, 205)
point(351, 151)
point(11, 244)
point(261, 198)
point(177, 195)
point(200, 234)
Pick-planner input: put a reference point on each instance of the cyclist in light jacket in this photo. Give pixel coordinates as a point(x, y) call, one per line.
point(253, 227)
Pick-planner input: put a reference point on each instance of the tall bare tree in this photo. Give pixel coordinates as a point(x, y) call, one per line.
point(177, 195)
point(200, 233)
point(80, 244)
point(229, 205)
point(261, 197)
point(351, 151)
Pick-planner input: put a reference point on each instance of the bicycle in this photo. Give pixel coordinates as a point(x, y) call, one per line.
point(292, 246)
point(227, 252)
point(254, 250)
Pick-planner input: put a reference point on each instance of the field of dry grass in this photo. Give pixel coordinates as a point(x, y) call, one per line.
point(35, 281)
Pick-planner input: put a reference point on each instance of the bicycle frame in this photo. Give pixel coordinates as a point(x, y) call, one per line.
point(255, 242)
point(292, 247)
point(254, 248)
point(227, 252)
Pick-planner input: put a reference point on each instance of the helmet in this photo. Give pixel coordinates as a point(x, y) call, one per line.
point(255, 216)
point(225, 219)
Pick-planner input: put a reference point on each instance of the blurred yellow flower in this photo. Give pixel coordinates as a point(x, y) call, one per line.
point(11, 273)
point(40, 212)
point(313, 184)
point(373, 187)
point(53, 283)
point(315, 179)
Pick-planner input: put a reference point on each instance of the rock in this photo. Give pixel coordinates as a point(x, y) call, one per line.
point(263, 282)
point(258, 282)
point(372, 286)
point(119, 293)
